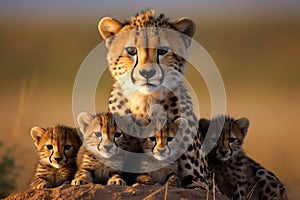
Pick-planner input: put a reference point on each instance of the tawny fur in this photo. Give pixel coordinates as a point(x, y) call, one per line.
point(57, 147)
point(147, 59)
point(236, 175)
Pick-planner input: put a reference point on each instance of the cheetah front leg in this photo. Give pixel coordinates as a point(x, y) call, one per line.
point(82, 177)
point(116, 180)
point(39, 183)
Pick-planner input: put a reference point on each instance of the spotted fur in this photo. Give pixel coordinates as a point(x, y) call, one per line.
point(147, 59)
point(236, 175)
point(158, 145)
point(57, 147)
point(101, 139)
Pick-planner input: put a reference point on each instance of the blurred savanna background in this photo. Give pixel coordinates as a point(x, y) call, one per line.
point(255, 45)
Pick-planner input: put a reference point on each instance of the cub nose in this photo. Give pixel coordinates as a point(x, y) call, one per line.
point(107, 147)
point(162, 150)
point(223, 152)
point(147, 74)
point(58, 159)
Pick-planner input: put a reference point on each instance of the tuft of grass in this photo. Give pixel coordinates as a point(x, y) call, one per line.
point(204, 187)
point(250, 193)
point(153, 193)
point(26, 94)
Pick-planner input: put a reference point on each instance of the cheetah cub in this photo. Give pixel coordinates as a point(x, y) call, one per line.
point(236, 175)
point(163, 152)
point(57, 147)
point(101, 137)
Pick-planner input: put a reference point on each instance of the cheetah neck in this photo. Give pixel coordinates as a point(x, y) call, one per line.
point(140, 104)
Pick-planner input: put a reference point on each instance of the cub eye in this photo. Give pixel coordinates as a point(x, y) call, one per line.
point(163, 50)
point(117, 134)
point(98, 134)
point(169, 139)
point(132, 51)
point(49, 146)
point(231, 140)
point(67, 147)
point(152, 139)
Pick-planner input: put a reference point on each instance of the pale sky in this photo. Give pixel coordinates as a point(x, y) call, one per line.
point(54, 9)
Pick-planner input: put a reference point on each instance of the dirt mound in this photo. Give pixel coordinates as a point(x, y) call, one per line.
point(94, 191)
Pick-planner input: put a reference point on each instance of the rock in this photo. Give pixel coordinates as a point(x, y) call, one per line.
point(95, 191)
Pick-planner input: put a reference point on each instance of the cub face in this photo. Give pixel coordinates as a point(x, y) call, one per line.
point(231, 138)
point(100, 132)
point(57, 146)
point(148, 51)
point(160, 139)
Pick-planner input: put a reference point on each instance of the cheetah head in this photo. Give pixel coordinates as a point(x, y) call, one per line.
point(147, 53)
point(162, 136)
point(231, 138)
point(100, 133)
point(57, 145)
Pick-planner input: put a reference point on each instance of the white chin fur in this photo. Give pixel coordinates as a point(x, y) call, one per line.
point(56, 165)
point(147, 89)
point(106, 155)
point(159, 157)
point(223, 158)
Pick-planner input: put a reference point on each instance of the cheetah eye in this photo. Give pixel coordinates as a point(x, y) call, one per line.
point(98, 134)
point(132, 51)
point(169, 139)
point(231, 140)
point(49, 146)
point(117, 134)
point(152, 139)
point(67, 147)
point(163, 50)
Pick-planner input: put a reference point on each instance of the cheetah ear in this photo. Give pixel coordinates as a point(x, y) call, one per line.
point(243, 124)
point(36, 134)
point(84, 119)
point(108, 27)
point(185, 26)
point(203, 126)
point(181, 123)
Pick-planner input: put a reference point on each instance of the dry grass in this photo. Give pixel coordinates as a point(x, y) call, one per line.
point(148, 197)
point(203, 187)
point(26, 94)
point(250, 193)
point(19, 149)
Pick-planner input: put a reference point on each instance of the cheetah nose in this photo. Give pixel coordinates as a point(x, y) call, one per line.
point(58, 159)
point(147, 74)
point(107, 147)
point(163, 150)
point(224, 152)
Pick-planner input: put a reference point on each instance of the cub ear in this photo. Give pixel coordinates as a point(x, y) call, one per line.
point(185, 26)
point(181, 123)
point(36, 134)
point(203, 126)
point(84, 119)
point(108, 27)
point(243, 124)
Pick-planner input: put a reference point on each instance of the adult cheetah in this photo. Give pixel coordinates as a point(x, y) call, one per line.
point(147, 59)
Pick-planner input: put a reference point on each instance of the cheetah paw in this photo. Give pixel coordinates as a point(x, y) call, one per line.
point(174, 181)
point(145, 179)
point(79, 181)
point(116, 180)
